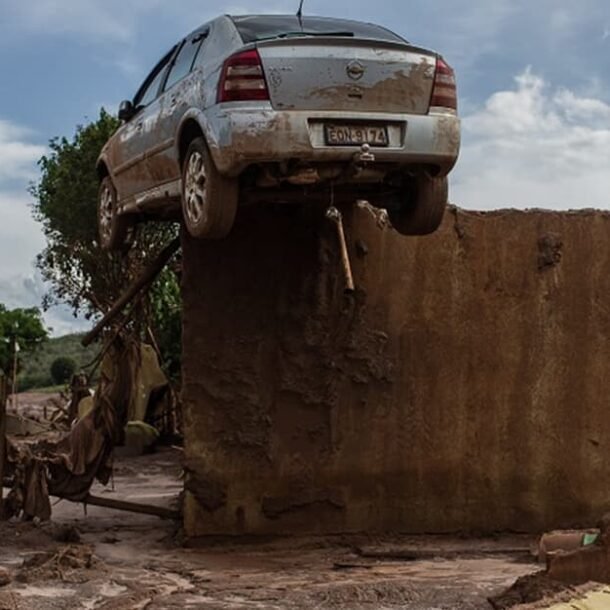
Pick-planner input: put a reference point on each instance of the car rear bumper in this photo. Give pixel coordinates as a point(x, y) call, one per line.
point(243, 134)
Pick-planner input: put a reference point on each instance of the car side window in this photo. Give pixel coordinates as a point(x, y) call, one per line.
point(150, 89)
point(185, 59)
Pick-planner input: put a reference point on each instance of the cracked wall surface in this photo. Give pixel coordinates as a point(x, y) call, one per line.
point(464, 387)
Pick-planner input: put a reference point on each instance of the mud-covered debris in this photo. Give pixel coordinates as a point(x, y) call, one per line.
point(67, 466)
point(5, 577)
point(529, 589)
point(8, 601)
point(65, 564)
point(590, 563)
point(564, 540)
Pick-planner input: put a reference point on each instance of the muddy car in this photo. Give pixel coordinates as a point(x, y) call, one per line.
point(281, 109)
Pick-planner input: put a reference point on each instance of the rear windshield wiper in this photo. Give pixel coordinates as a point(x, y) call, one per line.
point(342, 33)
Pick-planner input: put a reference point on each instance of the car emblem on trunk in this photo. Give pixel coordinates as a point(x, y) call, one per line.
point(355, 70)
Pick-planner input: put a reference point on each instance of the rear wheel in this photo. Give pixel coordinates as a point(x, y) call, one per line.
point(422, 206)
point(114, 229)
point(209, 199)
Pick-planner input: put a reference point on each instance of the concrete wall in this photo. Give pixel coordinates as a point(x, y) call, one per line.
point(466, 387)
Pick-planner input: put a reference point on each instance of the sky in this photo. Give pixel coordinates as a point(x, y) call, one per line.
point(533, 79)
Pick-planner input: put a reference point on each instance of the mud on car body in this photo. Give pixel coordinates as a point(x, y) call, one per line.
point(280, 109)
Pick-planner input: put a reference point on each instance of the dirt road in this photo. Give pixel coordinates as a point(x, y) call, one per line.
point(127, 561)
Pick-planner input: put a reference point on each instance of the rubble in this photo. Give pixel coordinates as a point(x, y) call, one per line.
point(64, 564)
point(588, 563)
point(66, 467)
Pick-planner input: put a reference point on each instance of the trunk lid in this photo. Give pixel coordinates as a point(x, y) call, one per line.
point(331, 74)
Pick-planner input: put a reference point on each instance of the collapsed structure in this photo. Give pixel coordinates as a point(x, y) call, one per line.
point(462, 387)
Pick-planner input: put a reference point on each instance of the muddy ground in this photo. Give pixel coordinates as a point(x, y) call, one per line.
point(110, 559)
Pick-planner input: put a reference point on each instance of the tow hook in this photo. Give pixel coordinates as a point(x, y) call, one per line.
point(335, 216)
point(364, 156)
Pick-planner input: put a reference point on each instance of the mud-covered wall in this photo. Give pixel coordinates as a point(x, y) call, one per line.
point(465, 387)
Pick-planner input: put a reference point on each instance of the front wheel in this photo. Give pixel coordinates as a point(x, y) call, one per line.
point(114, 229)
point(422, 206)
point(209, 199)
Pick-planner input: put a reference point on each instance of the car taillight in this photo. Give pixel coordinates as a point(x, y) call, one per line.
point(444, 93)
point(243, 78)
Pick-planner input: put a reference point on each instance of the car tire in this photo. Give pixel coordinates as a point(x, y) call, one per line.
point(209, 199)
point(113, 228)
point(422, 207)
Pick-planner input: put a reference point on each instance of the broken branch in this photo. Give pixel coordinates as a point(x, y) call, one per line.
point(148, 276)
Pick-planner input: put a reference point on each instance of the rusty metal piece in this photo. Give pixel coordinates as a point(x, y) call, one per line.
point(334, 215)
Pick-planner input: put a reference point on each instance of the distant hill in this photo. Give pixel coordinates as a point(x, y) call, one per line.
point(36, 371)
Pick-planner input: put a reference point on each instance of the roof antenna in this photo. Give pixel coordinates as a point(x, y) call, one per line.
point(300, 14)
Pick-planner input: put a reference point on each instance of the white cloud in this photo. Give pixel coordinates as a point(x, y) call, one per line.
point(85, 17)
point(21, 290)
point(17, 155)
point(61, 321)
point(21, 238)
point(534, 146)
point(28, 290)
point(114, 20)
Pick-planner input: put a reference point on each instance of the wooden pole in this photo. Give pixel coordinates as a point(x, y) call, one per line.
point(148, 276)
point(3, 397)
point(132, 507)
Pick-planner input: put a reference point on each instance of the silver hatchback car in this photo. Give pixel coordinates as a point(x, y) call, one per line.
point(282, 109)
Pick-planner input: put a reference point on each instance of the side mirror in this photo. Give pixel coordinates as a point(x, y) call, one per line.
point(126, 110)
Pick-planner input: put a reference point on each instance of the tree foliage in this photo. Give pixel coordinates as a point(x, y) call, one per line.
point(23, 326)
point(66, 200)
point(78, 271)
point(62, 369)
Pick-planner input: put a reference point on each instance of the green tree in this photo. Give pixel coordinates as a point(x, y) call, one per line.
point(62, 369)
point(77, 270)
point(21, 332)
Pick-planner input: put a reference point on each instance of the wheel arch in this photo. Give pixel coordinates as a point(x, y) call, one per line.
point(102, 170)
point(194, 125)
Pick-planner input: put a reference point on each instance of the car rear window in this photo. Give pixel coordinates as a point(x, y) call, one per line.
point(255, 28)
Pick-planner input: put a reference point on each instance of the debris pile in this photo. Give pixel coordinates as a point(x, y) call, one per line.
point(575, 563)
point(67, 467)
point(65, 564)
point(588, 563)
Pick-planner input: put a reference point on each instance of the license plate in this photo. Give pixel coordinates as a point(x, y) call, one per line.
point(355, 135)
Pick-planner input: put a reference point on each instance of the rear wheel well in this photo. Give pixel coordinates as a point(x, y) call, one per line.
point(190, 131)
point(102, 171)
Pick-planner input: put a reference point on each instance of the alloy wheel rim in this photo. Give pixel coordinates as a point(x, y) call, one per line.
point(106, 209)
point(195, 188)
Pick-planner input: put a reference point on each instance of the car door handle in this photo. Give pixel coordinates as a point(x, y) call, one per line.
point(173, 100)
point(139, 125)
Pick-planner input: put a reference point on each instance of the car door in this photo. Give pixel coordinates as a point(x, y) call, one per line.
point(181, 91)
point(137, 136)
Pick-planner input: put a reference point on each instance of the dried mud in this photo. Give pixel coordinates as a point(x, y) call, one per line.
point(463, 387)
point(126, 561)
